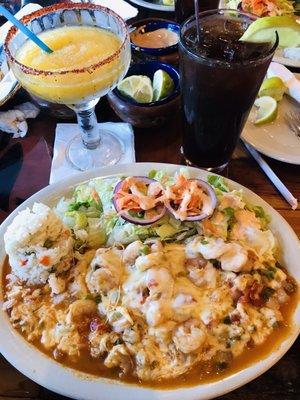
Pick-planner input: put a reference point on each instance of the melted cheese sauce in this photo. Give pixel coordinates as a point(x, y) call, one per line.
point(202, 373)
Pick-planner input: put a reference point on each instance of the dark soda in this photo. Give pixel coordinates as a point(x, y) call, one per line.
point(220, 78)
point(185, 8)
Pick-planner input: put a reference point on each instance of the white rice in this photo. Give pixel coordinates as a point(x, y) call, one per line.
point(34, 235)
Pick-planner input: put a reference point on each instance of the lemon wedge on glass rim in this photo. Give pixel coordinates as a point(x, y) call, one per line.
point(266, 110)
point(263, 30)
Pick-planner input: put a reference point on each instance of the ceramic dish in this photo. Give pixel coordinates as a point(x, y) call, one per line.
point(275, 139)
point(65, 381)
point(149, 114)
point(153, 5)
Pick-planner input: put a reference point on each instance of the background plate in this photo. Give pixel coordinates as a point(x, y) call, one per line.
point(275, 139)
point(153, 5)
point(278, 57)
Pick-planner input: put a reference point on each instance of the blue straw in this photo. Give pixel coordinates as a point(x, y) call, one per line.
point(24, 29)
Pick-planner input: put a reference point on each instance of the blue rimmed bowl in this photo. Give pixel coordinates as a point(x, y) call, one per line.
point(152, 114)
point(150, 25)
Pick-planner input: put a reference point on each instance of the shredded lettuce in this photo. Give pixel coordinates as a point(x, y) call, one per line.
point(85, 197)
point(218, 182)
point(105, 189)
point(165, 231)
point(80, 219)
point(125, 232)
point(161, 176)
point(94, 221)
point(165, 178)
point(261, 214)
point(96, 234)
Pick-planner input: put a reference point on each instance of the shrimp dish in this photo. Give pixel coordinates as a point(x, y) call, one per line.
point(147, 279)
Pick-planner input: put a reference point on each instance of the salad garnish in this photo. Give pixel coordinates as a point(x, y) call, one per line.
point(143, 200)
point(190, 199)
point(139, 200)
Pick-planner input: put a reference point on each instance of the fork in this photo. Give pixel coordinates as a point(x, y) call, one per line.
point(292, 118)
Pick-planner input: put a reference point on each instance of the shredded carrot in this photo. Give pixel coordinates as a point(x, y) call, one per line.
point(185, 197)
point(137, 196)
point(263, 8)
point(45, 260)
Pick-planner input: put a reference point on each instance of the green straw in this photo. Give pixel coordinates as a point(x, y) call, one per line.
point(24, 29)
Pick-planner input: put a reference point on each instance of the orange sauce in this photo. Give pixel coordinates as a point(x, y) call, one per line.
point(155, 39)
point(202, 373)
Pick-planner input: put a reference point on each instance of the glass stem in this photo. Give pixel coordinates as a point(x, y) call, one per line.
point(88, 125)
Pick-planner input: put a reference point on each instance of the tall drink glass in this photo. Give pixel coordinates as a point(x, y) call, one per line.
point(220, 78)
point(91, 55)
point(185, 8)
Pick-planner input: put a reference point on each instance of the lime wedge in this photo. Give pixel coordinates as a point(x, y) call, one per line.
point(267, 110)
point(273, 87)
point(138, 87)
point(263, 30)
point(163, 85)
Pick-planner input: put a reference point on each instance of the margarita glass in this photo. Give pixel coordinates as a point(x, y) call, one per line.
point(91, 54)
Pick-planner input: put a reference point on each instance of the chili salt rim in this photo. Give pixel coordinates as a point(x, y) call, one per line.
point(65, 6)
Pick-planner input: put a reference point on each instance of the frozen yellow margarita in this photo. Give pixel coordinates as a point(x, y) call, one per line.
point(59, 78)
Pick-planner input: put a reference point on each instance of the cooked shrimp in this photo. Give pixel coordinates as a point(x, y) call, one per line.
point(234, 259)
point(159, 282)
point(105, 272)
point(150, 260)
point(56, 284)
point(156, 246)
point(132, 252)
point(232, 256)
point(189, 336)
point(118, 357)
point(119, 319)
point(231, 200)
point(80, 308)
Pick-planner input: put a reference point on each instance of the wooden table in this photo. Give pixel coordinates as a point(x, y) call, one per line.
point(282, 382)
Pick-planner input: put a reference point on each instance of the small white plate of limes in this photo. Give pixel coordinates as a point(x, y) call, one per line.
point(267, 129)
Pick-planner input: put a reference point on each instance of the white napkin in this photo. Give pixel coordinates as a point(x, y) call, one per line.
point(289, 79)
point(29, 8)
point(125, 10)
point(60, 168)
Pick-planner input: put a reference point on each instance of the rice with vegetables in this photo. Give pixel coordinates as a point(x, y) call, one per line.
point(201, 284)
point(38, 243)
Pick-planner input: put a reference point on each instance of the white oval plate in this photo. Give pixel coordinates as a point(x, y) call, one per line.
point(275, 139)
point(153, 6)
point(55, 377)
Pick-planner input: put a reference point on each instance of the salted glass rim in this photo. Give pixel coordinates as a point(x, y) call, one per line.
point(209, 60)
point(64, 6)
